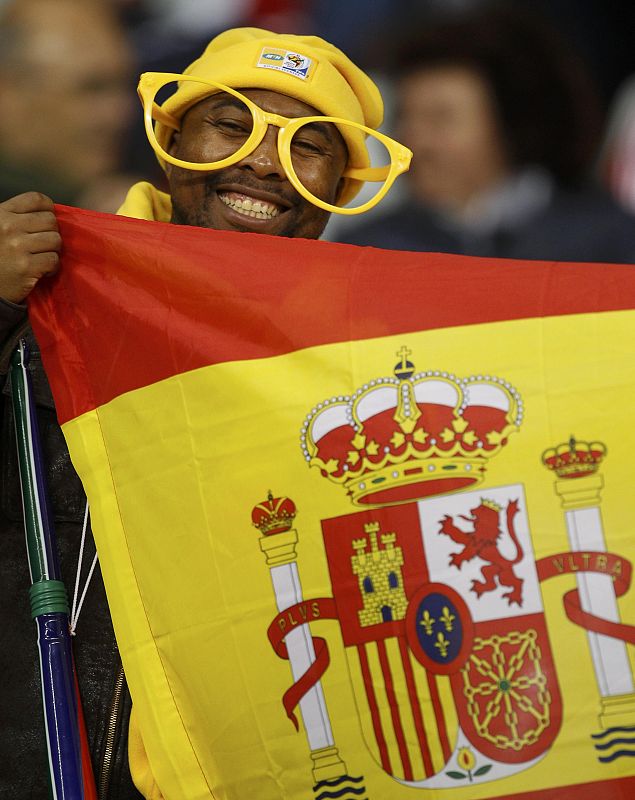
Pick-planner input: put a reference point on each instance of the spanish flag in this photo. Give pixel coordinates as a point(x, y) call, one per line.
point(365, 518)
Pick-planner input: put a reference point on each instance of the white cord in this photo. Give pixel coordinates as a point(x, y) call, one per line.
point(77, 606)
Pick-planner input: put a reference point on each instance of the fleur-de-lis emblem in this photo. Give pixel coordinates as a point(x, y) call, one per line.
point(442, 645)
point(447, 619)
point(427, 620)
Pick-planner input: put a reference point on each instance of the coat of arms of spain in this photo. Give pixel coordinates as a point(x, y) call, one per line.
point(435, 585)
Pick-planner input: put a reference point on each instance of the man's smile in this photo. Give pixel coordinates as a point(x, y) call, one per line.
point(248, 205)
point(244, 206)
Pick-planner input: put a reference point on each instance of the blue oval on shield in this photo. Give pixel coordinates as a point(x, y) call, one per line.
point(439, 628)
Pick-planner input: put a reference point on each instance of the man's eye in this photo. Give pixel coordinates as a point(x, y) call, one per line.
point(307, 146)
point(231, 126)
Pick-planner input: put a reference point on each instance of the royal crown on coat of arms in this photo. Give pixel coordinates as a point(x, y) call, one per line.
point(413, 435)
point(574, 459)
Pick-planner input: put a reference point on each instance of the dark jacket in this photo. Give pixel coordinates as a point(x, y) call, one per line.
point(582, 226)
point(22, 743)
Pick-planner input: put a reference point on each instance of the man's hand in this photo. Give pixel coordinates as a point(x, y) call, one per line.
point(29, 244)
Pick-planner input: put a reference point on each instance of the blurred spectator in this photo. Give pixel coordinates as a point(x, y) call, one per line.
point(66, 98)
point(504, 126)
point(601, 32)
point(618, 159)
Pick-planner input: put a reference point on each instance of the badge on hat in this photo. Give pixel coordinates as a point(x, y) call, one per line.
point(285, 61)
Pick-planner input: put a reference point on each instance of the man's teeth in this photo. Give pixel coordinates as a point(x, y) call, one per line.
point(250, 208)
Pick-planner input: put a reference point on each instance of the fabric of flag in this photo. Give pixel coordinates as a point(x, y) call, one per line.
point(365, 518)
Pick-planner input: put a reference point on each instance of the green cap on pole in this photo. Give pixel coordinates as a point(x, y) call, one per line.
point(48, 597)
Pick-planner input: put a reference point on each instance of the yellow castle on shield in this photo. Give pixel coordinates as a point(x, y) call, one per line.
point(380, 579)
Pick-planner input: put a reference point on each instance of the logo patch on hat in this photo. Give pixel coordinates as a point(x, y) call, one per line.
point(285, 61)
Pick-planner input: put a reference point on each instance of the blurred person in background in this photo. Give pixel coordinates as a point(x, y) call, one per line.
point(65, 104)
point(504, 125)
point(617, 167)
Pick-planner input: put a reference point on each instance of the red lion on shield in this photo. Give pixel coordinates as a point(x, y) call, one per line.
point(482, 541)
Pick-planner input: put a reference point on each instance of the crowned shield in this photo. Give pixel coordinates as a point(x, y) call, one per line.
point(435, 583)
point(442, 620)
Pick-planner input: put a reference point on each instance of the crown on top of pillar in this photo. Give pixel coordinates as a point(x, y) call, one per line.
point(574, 459)
point(274, 515)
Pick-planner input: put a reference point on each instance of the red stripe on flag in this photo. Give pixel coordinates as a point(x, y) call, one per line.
point(416, 708)
point(439, 716)
point(617, 789)
point(136, 302)
point(394, 710)
point(374, 709)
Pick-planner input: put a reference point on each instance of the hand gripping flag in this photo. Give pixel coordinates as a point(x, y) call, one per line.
point(365, 518)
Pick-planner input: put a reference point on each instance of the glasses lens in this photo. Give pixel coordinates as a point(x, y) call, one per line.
point(317, 143)
point(216, 124)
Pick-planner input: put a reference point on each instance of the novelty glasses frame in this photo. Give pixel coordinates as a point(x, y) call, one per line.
point(400, 156)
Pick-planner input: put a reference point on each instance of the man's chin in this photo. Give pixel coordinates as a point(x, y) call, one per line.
point(229, 218)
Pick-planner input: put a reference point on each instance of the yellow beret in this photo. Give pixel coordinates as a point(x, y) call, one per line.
point(306, 68)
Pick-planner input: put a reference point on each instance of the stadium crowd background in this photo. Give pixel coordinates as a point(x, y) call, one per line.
point(69, 125)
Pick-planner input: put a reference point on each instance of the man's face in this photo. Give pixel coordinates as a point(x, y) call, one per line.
point(254, 194)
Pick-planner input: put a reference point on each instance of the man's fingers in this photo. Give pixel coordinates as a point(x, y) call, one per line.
point(45, 264)
point(39, 222)
point(17, 284)
point(44, 242)
point(29, 244)
point(28, 202)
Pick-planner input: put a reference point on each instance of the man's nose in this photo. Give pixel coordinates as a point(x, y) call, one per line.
point(264, 161)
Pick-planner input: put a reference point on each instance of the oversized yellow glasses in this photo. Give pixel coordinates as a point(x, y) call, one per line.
point(237, 126)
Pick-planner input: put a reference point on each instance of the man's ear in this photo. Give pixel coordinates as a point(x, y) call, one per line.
point(172, 150)
point(340, 188)
point(174, 142)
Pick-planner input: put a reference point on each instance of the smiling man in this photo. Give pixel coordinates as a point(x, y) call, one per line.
point(264, 133)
